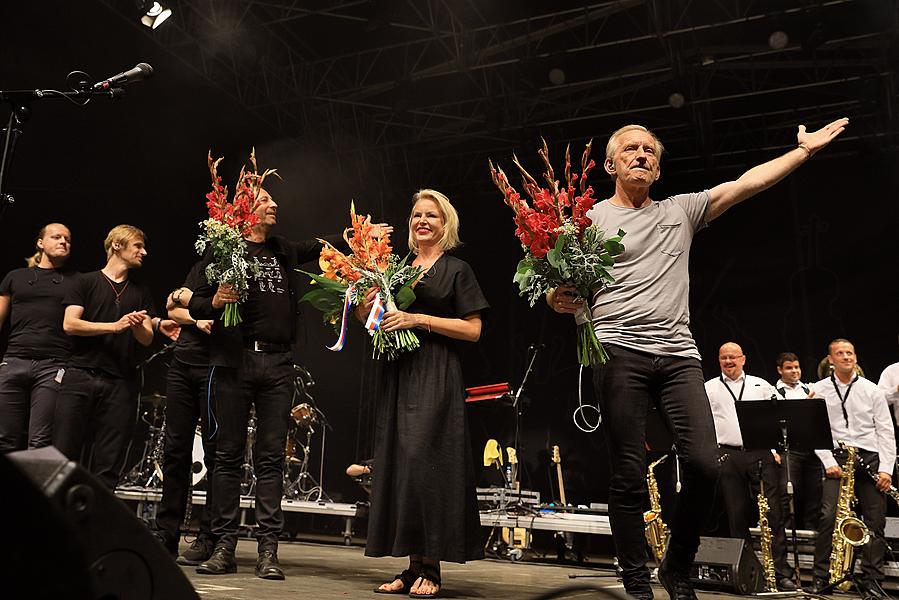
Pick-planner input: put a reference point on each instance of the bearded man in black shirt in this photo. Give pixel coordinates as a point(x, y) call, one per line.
point(38, 348)
point(252, 364)
point(107, 314)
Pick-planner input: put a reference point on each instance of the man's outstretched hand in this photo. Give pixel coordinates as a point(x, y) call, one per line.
point(816, 140)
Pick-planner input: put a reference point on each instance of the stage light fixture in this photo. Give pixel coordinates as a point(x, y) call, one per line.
point(154, 14)
point(556, 76)
point(778, 40)
point(676, 100)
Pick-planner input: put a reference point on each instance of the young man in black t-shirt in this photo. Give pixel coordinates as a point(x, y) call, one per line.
point(188, 399)
point(107, 314)
point(38, 348)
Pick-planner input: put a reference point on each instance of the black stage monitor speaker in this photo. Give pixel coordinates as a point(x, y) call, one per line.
point(72, 538)
point(727, 564)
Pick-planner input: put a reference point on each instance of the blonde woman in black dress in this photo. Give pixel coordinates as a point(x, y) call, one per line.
point(423, 498)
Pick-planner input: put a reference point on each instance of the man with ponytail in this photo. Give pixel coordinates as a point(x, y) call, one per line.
point(30, 371)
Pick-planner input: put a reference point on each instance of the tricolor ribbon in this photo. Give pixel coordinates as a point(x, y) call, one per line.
point(347, 303)
point(374, 317)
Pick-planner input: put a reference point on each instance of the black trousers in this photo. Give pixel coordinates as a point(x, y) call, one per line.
point(28, 392)
point(625, 386)
point(188, 399)
point(94, 420)
point(806, 473)
point(871, 507)
point(739, 490)
point(264, 381)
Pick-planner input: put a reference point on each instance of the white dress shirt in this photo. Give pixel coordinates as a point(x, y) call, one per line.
point(889, 381)
point(724, 393)
point(869, 426)
point(797, 391)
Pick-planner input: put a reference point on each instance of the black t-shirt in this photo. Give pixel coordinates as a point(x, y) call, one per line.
point(267, 312)
point(193, 345)
point(36, 311)
point(105, 301)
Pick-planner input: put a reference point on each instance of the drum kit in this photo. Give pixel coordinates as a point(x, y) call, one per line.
point(299, 484)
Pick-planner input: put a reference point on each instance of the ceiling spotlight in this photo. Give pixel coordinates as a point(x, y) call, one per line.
point(676, 100)
point(778, 40)
point(154, 14)
point(556, 76)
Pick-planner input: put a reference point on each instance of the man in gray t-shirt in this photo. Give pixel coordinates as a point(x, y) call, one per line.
point(643, 320)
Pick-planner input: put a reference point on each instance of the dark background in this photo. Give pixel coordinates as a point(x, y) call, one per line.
point(370, 101)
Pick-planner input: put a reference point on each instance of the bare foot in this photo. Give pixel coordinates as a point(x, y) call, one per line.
point(394, 586)
point(424, 587)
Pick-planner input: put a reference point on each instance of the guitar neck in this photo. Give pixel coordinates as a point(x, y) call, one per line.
point(561, 484)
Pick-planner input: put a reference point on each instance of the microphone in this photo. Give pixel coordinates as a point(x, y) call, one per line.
point(140, 72)
point(536, 346)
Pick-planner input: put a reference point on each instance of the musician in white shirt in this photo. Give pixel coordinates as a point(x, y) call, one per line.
point(739, 482)
point(806, 471)
point(859, 416)
point(889, 383)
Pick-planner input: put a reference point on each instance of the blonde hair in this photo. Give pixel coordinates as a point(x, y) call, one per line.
point(612, 145)
point(121, 234)
point(35, 259)
point(450, 237)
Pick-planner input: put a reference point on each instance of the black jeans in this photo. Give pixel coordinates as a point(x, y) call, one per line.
point(188, 399)
point(806, 473)
point(264, 380)
point(740, 489)
point(871, 506)
point(625, 386)
point(94, 420)
point(28, 392)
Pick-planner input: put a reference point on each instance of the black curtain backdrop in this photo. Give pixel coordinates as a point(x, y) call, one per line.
point(812, 259)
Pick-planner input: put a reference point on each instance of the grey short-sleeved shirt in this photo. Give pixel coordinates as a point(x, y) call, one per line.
point(647, 308)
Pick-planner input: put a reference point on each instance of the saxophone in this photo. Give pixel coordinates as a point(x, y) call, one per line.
point(849, 531)
point(765, 541)
point(656, 530)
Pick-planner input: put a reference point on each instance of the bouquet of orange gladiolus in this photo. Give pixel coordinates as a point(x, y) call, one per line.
point(346, 278)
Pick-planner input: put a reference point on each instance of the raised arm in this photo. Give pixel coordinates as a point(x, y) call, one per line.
point(761, 177)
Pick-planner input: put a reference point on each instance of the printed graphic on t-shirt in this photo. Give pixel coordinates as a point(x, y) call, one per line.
point(270, 278)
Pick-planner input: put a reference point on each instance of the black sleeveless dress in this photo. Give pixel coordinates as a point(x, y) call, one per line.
point(423, 494)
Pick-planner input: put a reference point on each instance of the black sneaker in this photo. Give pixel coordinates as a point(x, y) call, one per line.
point(676, 581)
point(785, 584)
point(199, 551)
point(871, 590)
point(220, 563)
point(267, 566)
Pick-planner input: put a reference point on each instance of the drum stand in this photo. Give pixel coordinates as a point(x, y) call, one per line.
point(304, 486)
point(147, 473)
point(248, 473)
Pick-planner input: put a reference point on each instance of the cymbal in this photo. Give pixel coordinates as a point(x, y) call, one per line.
point(155, 398)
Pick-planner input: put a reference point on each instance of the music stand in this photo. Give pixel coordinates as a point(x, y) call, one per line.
point(789, 425)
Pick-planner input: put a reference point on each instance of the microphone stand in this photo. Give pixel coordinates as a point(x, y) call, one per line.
point(533, 349)
point(20, 111)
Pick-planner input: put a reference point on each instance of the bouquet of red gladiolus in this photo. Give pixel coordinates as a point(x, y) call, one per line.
point(561, 246)
point(345, 280)
point(223, 232)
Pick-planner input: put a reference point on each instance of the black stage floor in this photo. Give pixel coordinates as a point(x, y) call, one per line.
point(333, 571)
